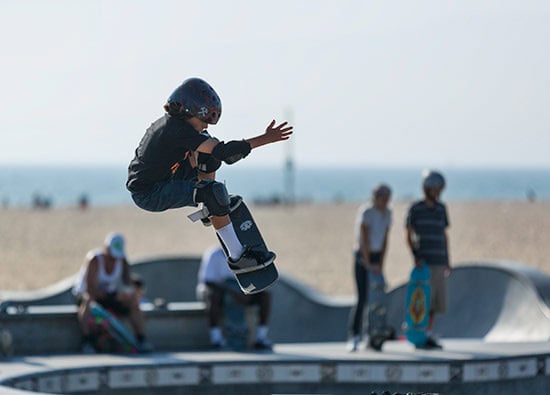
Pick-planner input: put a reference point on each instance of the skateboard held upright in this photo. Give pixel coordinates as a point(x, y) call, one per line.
point(110, 335)
point(417, 309)
point(378, 329)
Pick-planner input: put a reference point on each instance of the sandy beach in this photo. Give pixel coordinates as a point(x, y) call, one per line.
point(313, 241)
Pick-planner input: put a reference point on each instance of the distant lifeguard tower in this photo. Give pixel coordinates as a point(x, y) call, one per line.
point(289, 195)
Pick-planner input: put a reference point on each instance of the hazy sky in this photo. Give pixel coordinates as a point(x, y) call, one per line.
point(435, 83)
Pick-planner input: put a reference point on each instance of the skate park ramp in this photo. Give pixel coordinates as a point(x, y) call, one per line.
point(495, 336)
point(493, 301)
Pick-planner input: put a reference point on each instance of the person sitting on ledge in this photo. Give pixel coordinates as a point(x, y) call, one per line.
point(105, 278)
point(215, 283)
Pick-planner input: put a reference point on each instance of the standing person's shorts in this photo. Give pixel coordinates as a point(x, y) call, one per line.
point(439, 288)
point(164, 195)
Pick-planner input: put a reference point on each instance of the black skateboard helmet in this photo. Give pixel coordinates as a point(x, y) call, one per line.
point(433, 179)
point(196, 98)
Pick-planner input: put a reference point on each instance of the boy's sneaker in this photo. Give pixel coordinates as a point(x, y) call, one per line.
point(251, 260)
point(87, 348)
point(263, 345)
point(219, 346)
point(431, 344)
point(353, 344)
point(375, 343)
point(145, 347)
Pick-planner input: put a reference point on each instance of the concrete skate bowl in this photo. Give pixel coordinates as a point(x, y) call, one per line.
point(490, 301)
point(493, 301)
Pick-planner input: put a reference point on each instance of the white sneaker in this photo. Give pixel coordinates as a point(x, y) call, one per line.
point(353, 344)
point(87, 348)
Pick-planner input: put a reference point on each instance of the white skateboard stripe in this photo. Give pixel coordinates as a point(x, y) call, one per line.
point(399, 373)
point(26, 385)
point(302, 373)
point(360, 373)
point(178, 376)
point(481, 371)
point(427, 373)
point(234, 374)
point(127, 378)
point(82, 381)
point(522, 368)
point(305, 373)
point(50, 384)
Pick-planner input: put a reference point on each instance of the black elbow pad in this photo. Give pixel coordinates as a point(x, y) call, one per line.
point(231, 151)
point(207, 163)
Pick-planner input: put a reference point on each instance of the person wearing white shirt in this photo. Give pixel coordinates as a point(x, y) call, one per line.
point(214, 283)
point(372, 226)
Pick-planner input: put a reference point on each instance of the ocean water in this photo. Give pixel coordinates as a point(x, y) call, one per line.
point(104, 186)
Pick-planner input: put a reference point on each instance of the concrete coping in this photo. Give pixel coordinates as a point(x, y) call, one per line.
point(463, 367)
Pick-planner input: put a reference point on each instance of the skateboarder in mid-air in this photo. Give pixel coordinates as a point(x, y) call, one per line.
point(175, 164)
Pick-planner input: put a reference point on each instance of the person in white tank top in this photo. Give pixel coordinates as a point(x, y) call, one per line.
point(104, 278)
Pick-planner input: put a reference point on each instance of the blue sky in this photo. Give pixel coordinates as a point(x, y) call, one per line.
point(389, 83)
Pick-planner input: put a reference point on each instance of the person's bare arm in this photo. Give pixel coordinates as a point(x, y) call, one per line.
point(126, 279)
point(411, 243)
point(384, 247)
point(273, 133)
point(449, 268)
point(92, 285)
point(365, 245)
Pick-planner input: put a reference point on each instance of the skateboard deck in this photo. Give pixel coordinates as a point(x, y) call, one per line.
point(6, 343)
point(248, 233)
point(235, 325)
point(378, 329)
point(418, 305)
point(110, 334)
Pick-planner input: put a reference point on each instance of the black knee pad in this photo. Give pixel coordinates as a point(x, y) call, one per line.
point(214, 196)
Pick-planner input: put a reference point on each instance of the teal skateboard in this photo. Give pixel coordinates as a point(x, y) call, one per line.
point(417, 309)
point(109, 334)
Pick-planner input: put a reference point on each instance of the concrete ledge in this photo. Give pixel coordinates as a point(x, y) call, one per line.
point(54, 329)
point(496, 301)
point(465, 367)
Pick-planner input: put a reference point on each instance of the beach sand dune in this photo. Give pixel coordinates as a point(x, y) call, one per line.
point(313, 241)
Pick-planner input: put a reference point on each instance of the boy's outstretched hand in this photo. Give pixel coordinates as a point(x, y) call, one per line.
point(273, 133)
point(279, 132)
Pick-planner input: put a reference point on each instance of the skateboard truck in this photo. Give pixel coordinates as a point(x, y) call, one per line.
point(203, 214)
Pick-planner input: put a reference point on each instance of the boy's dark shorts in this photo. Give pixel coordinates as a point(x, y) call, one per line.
point(165, 195)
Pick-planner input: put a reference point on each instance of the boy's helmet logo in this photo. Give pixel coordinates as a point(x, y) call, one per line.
point(203, 112)
point(246, 225)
